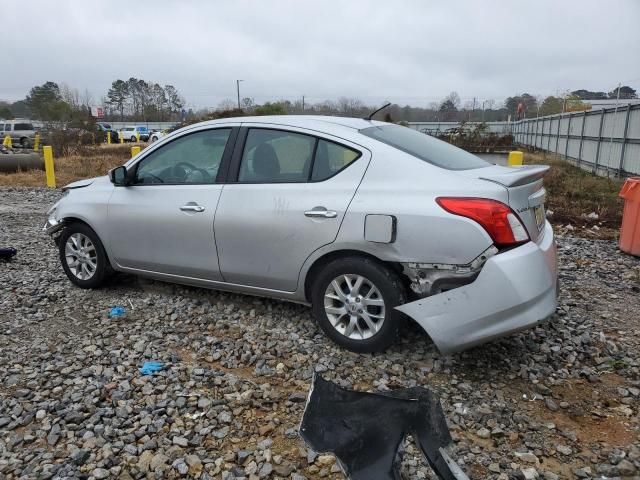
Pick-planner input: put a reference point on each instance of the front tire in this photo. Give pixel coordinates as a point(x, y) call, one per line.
point(354, 300)
point(82, 256)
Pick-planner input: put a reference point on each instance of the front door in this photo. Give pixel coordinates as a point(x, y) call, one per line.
point(164, 221)
point(289, 198)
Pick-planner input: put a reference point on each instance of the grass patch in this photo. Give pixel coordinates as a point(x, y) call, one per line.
point(574, 193)
point(83, 162)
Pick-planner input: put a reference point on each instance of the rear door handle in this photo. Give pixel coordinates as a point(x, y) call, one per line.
point(321, 212)
point(192, 208)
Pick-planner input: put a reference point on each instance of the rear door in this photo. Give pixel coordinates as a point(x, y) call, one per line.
point(287, 196)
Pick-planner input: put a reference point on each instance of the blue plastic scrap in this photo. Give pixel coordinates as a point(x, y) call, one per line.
point(149, 368)
point(116, 312)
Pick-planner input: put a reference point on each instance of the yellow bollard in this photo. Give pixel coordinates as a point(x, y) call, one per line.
point(7, 142)
point(36, 142)
point(109, 138)
point(121, 137)
point(137, 137)
point(48, 166)
point(515, 158)
point(135, 150)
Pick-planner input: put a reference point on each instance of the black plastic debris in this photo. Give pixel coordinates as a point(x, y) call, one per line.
point(7, 253)
point(365, 430)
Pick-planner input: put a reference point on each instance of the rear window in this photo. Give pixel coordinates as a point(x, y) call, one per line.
point(23, 126)
point(425, 147)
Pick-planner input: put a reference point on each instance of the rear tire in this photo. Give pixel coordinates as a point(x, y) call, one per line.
point(82, 256)
point(354, 299)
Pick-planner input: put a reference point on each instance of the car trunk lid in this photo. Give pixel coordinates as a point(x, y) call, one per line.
point(525, 191)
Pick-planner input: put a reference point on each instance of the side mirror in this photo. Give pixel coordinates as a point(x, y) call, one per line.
point(118, 176)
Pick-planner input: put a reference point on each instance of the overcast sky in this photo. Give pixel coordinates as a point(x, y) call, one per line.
point(412, 52)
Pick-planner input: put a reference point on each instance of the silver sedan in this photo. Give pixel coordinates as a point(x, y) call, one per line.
point(367, 222)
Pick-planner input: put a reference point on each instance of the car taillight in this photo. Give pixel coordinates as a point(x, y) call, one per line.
point(500, 222)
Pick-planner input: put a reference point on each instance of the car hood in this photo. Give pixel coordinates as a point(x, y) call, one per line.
point(85, 183)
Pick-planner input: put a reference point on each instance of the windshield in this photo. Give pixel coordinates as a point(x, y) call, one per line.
point(425, 147)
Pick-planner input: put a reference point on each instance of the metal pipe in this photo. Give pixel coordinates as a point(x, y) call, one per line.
point(595, 170)
point(613, 126)
point(17, 162)
point(624, 140)
point(584, 120)
point(566, 145)
point(558, 131)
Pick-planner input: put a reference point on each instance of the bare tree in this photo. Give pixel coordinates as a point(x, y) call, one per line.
point(70, 95)
point(454, 98)
point(87, 99)
point(227, 104)
point(247, 104)
point(349, 106)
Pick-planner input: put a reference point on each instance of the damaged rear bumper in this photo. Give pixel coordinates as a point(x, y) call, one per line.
point(514, 290)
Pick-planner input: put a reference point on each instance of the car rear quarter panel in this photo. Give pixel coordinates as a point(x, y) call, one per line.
point(405, 187)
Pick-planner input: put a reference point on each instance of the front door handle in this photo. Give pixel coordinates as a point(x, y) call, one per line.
point(321, 212)
point(192, 208)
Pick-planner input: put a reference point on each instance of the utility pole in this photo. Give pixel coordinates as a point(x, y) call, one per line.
point(303, 103)
point(483, 102)
point(473, 109)
point(238, 90)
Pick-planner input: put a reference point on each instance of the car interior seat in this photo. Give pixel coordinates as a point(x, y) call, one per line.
point(266, 165)
point(321, 166)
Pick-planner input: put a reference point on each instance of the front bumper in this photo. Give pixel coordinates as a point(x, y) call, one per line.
point(52, 225)
point(515, 290)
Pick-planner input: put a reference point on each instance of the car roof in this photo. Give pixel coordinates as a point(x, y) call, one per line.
point(320, 123)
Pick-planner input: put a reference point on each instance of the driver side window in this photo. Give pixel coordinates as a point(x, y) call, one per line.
point(191, 159)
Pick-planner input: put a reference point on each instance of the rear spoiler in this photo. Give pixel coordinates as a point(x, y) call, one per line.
point(518, 176)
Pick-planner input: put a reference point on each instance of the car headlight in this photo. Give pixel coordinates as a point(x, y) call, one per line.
point(52, 211)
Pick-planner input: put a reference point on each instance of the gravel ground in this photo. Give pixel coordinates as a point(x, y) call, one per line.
point(558, 401)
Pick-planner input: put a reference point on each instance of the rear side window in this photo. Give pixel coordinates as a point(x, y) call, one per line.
point(23, 126)
point(425, 147)
point(276, 156)
point(330, 159)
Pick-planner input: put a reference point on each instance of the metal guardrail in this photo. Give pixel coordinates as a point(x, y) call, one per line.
point(605, 141)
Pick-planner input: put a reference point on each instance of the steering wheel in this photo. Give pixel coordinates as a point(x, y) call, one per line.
point(151, 176)
point(187, 169)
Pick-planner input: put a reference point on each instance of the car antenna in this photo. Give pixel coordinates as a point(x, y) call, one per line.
point(376, 111)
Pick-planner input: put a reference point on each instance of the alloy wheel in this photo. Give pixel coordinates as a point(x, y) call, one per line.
point(81, 256)
point(354, 306)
